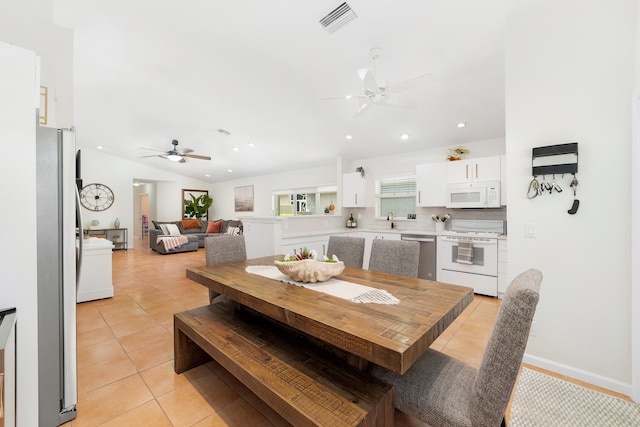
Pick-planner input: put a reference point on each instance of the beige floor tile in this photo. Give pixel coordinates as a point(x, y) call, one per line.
point(90, 354)
point(105, 372)
point(152, 354)
point(94, 336)
point(111, 401)
point(150, 414)
point(162, 378)
point(144, 338)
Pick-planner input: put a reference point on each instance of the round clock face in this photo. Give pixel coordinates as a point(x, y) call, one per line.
point(96, 197)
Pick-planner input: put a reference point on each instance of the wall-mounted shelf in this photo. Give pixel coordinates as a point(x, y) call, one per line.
point(555, 159)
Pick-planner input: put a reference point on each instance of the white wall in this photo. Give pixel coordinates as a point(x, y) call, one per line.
point(18, 253)
point(263, 186)
point(569, 77)
point(29, 24)
point(119, 174)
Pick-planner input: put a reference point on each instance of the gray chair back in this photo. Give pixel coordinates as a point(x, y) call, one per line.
point(395, 257)
point(349, 250)
point(221, 249)
point(502, 358)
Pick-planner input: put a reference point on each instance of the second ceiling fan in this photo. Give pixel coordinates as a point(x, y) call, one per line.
point(177, 155)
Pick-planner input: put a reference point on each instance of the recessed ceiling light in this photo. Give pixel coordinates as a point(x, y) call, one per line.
point(347, 97)
point(251, 144)
point(461, 124)
point(207, 175)
point(348, 136)
point(229, 170)
point(404, 136)
point(99, 147)
point(235, 149)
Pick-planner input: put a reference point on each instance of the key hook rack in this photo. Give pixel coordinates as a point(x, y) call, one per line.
point(555, 159)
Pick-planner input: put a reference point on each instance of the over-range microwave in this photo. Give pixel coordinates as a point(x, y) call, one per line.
point(485, 194)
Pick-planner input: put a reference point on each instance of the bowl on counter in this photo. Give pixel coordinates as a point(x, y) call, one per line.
point(310, 270)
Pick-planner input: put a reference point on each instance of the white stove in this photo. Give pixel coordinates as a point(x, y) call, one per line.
point(478, 270)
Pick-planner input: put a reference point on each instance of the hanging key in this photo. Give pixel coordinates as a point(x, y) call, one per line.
point(574, 185)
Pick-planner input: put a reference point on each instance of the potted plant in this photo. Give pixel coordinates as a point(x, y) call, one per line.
point(197, 207)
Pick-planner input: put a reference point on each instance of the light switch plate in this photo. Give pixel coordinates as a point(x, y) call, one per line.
point(530, 229)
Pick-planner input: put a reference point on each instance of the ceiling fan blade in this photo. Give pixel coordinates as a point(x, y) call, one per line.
point(364, 107)
point(368, 80)
point(396, 102)
point(182, 160)
point(152, 149)
point(344, 97)
point(196, 156)
point(408, 84)
point(153, 155)
point(186, 150)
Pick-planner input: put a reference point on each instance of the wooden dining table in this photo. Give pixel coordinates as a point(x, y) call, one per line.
point(393, 336)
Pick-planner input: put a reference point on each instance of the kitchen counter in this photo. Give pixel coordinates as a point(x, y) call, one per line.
point(363, 230)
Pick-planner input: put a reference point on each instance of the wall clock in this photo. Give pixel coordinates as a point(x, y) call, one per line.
point(96, 197)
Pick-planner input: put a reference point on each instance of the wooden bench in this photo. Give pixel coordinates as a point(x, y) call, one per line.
point(303, 384)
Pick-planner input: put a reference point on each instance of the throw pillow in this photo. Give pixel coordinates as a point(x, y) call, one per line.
point(173, 230)
point(163, 228)
point(214, 226)
point(190, 223)
point(234, 231)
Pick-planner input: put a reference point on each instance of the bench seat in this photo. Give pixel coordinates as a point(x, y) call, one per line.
point(305, 385)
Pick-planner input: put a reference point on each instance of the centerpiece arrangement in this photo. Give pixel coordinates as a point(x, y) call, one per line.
point(304, 267)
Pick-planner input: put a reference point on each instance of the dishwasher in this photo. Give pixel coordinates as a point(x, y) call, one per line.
point(427, 261)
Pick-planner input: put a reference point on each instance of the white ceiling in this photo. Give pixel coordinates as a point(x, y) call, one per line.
point(150, 71)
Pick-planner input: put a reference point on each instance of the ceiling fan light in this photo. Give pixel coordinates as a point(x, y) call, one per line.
point(174, 157)
point(404, 136)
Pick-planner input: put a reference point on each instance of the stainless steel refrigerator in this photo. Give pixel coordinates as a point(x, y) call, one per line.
point(58, 264)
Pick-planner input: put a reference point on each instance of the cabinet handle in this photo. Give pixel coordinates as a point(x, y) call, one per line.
point(466, 171)
point(324, 251)
point(419, 199)
point(476, 171)
point(356, 199)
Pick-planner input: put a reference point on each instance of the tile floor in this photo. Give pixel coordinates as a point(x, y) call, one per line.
point(125, 352)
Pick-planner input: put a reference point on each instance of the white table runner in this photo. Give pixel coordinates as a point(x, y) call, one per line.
point(335, 287)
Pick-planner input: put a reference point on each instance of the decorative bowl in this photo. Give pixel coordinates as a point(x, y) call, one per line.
point(310, 270)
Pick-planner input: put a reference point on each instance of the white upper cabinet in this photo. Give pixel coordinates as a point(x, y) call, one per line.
point(431, 184)
point(354, 190)
point(473, 170)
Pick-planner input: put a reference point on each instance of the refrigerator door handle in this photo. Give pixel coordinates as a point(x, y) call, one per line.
point(80, 237)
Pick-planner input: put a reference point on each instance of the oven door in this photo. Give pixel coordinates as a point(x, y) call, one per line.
point(485, 255)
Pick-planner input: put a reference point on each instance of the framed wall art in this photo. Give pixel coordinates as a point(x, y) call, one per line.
point(243, 198)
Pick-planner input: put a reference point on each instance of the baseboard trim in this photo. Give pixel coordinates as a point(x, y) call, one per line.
point(579, 374)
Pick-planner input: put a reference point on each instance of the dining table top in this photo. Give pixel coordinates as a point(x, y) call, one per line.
point(393, 336)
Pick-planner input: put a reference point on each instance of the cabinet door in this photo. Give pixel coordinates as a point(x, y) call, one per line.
point(480, 169)
point(354, 190)
point(431, 184)
point(459, 171)
point(486, 169)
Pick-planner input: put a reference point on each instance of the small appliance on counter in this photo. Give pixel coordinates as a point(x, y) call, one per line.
point(351, 222)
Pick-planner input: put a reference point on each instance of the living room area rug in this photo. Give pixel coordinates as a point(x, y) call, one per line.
point(542, 400)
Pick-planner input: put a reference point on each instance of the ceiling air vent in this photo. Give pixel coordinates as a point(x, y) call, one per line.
point(338, 17)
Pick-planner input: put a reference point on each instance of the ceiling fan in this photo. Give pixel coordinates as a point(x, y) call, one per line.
point(377, 92)
point(177, 155)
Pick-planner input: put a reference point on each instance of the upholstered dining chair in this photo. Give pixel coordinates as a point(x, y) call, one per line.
point(225, 248)
point(395, 257)
point(349, 250)
point(443, 391)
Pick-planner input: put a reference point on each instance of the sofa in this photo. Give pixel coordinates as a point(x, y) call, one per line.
point(194, 230)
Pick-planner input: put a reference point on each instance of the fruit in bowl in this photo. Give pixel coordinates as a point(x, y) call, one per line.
point(309, 270)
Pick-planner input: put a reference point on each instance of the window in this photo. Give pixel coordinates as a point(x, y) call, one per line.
point(303, 201)
point(396, 196)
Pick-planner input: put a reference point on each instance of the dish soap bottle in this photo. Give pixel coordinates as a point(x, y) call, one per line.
point(350, 221)
point(354, 223)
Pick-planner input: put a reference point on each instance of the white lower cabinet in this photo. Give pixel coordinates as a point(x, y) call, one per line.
point(503, 278)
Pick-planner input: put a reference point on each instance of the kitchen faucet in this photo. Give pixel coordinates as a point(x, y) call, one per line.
point(390, 215)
